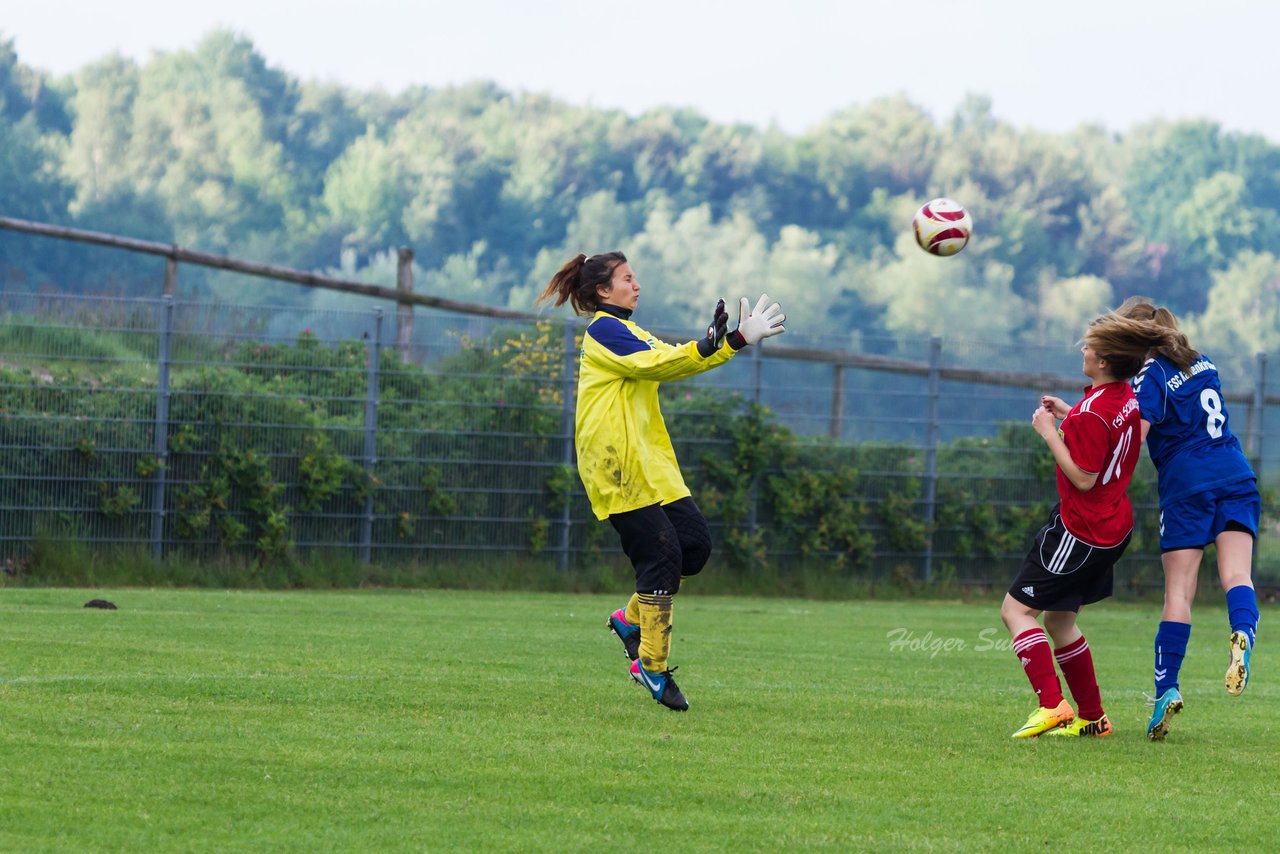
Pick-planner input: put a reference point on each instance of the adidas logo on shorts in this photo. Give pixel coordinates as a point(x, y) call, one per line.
point(1030, 591)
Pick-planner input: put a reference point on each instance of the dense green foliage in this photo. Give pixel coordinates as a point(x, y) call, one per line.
point(214, 721)
point(214, 148)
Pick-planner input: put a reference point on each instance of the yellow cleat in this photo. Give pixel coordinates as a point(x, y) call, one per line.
point(1080, 727)
point(1042, 720)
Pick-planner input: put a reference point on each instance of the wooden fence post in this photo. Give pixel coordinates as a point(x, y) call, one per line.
point(404, 310)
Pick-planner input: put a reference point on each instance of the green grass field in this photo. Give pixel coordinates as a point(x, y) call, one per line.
point(440, 721)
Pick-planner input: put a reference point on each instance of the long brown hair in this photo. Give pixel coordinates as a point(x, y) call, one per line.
point(1124, 342)
point(577, 280)
point(1180, 352)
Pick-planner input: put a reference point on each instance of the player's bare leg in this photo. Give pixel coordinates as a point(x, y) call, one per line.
point(1235, 571)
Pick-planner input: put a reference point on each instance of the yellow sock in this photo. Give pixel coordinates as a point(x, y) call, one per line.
point(655, 630)
point(633, 609)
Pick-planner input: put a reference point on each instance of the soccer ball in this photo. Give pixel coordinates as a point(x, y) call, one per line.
point(942, 227)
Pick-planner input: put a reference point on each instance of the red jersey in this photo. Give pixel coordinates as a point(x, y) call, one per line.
point(1102, 434)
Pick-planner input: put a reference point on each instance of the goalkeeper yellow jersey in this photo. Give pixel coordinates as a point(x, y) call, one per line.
point(625, 458)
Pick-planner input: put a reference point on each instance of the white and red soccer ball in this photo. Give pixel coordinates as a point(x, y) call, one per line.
point(942, 227)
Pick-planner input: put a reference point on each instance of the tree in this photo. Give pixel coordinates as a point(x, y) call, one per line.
point(1215, 221)
point(656, 143)
point(1177, 186)
point(692, 261)
point(365, 194)
point(1034, 186)
point(802, 273)
point(25, 92)
point(1109, 245)
point(967, 297)
point(896, 142)
point(32, 187)
point(721, 163)
point(1067, 306)
point(1242, 314)
point(32, 190)
point(1165, 162)
point(96, 160)
point(207, 139)
point(555, 156)
point(324, 123)
point(454, 184)
point(817, 181)
point(460, 277)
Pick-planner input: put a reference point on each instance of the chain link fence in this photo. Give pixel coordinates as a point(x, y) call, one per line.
point(202, 430)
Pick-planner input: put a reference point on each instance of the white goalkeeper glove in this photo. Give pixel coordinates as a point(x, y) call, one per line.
point(756, 324)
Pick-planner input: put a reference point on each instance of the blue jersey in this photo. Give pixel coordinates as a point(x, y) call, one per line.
point(1190, 440)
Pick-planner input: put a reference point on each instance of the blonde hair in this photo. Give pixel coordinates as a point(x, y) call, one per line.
point(1125, 342)
point(1180, 351)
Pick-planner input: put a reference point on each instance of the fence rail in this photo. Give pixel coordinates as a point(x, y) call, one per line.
point(185, 427)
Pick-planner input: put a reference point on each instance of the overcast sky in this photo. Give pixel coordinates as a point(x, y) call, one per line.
point(1045, 65)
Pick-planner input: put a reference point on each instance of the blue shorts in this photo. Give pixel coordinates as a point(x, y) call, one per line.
point(1195, 521)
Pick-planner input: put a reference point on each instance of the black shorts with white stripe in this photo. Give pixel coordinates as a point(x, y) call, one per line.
point(1062, 572)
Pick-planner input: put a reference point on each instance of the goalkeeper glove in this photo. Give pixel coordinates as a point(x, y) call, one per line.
point(756, 324)
point(715, 332)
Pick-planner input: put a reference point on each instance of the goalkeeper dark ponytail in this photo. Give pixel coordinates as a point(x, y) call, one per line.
point(576, 282)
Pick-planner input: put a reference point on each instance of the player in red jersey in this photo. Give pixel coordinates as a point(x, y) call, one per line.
point(1071, 561)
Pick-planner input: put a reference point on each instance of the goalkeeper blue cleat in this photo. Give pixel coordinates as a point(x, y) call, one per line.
point(1238, 668)
point(628, 633)
point(661, 686)
point(1166, 706)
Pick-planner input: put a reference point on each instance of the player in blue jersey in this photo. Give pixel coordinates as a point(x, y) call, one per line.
point(1208, 494)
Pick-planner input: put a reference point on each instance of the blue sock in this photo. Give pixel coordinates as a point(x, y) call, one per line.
point(1242, 610)
point(1171, 648)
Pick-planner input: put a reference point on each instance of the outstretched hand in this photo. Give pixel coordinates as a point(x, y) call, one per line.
point(719, 326)
point(756, 324)
point(716, 332)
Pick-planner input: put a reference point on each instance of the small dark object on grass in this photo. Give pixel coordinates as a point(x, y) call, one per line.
point(101, 603)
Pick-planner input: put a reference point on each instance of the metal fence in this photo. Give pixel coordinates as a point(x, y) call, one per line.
point(187, 428)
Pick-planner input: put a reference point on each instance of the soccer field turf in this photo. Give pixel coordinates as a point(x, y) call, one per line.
point(222, 721)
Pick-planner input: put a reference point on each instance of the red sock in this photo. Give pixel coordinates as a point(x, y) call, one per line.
point(1032, 649)
point(1077, 666)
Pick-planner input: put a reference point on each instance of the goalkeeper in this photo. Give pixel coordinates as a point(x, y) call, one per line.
point(625, 457)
